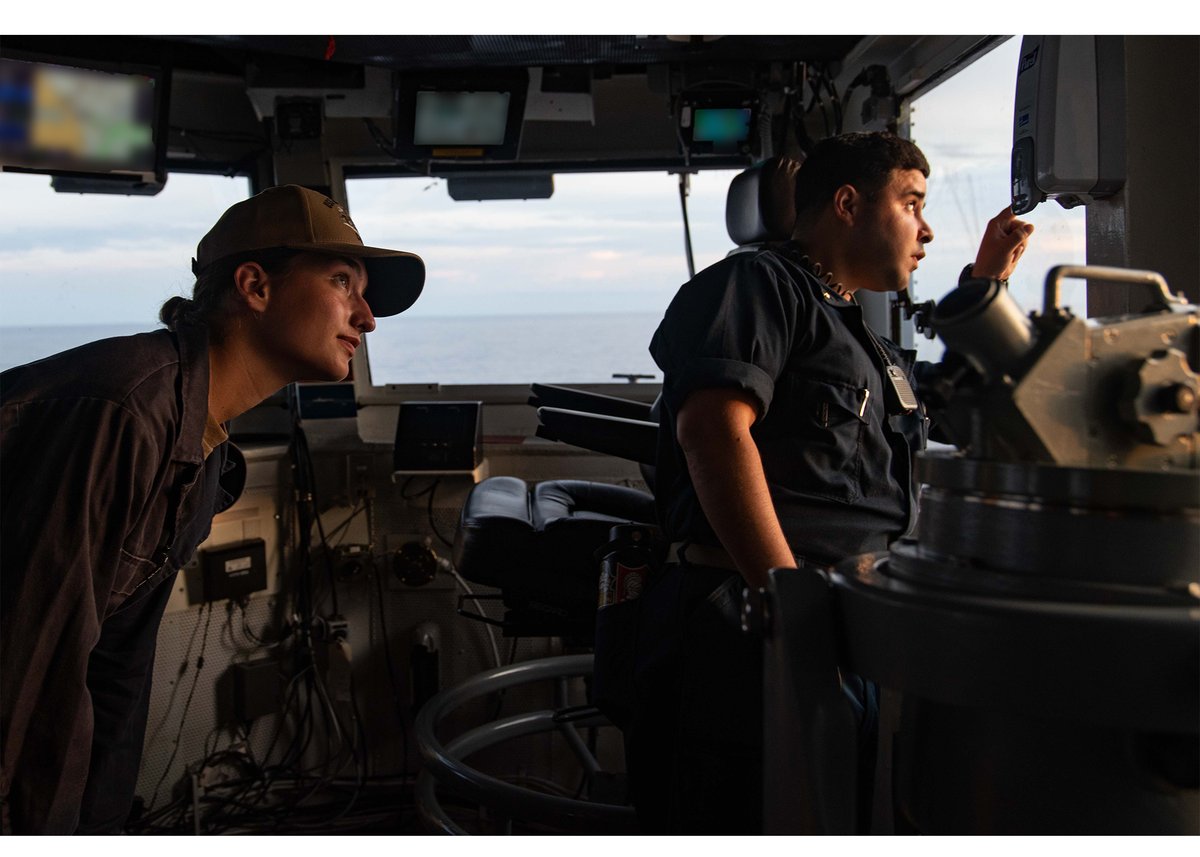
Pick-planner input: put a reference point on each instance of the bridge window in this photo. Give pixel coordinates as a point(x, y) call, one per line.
point(567, 289)
point(76, 268)
point(964, 127)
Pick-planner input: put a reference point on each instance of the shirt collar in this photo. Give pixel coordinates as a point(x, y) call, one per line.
point(827, 295)
point(819, 283)
point(832, 298)
point(214, 435)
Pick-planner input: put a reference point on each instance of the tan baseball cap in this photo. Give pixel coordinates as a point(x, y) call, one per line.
point(296, 218)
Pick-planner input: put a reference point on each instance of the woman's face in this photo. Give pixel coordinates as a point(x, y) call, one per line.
point(314, 318)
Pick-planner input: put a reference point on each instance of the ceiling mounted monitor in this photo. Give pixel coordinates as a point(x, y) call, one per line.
point(719, 122)
point(461, 116)
point(100, 130)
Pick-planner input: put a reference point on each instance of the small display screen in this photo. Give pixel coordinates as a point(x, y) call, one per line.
point(721, 125)
point(54, 117)
point(460, 118)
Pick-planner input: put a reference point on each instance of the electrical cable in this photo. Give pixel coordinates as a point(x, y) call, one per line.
point(304, 723)
point(331, 765)
point(685, 150)
point(227, 626)
point(321, 740)
point(687, 229)
point(258, 641)
point(834, 100)
point(222, 136)
point(818, 101)
point(502, 694)
point(307, 506)
point(334, 720)
point(197, 142)
point(307, 484)
point(245, 757)
point(360, 763)
point(429, 510)
point(387, 656)
point(354, 744)
point(355, 510)
point(471, 594)
point(186, 705)
point(175, 685)
point(379, 802)
point(290, 691)
point(797, 112)
point(404, 489)
point(417, 167)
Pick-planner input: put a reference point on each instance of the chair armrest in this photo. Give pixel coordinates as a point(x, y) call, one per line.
point(633, 440)
point(568, 398)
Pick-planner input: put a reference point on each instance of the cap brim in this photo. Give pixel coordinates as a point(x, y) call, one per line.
point(394, 278)
point(393, 283)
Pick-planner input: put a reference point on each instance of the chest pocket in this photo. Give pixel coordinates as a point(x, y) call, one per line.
point(827, 421)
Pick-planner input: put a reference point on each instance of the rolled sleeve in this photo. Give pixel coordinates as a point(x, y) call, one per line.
point(706, 373)
point(731, 326)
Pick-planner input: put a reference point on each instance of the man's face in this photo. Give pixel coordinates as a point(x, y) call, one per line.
point(316, 317)
point(890, 232)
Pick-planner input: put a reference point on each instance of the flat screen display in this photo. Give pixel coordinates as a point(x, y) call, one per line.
point(54, 117)
point(724, 125)
point(460, 118)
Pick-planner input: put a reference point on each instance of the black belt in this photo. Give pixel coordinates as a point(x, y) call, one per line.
point(714, 556)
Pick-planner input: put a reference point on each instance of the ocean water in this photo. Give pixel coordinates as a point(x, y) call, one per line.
point(25, 344)
point(558, 348)
point(555, 348)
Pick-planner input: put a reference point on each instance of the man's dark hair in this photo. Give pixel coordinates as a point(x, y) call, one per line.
point(862, 160)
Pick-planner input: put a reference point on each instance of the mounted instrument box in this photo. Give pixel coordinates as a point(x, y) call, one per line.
point(234, 571)
point(439, 437)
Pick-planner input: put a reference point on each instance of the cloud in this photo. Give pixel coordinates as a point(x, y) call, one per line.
point(608, 240)
point(189, 205)
point(112, 256)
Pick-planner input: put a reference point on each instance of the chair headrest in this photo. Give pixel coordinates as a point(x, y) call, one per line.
point(761, 205)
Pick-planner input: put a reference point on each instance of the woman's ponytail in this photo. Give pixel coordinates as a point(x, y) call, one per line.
point(214, 286)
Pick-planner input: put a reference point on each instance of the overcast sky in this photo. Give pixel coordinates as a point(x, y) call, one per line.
point(602, 243)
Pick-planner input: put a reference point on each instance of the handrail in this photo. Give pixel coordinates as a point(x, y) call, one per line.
point(1152, 280)
point(444, 765)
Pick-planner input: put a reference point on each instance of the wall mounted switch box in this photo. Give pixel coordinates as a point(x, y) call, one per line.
point(234, 571)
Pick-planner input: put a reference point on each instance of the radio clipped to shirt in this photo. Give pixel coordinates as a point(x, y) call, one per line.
point(898, 394)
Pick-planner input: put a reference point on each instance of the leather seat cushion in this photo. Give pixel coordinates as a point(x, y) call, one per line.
point(543, 544)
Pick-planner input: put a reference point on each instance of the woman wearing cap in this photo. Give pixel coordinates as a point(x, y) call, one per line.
point(111, 464)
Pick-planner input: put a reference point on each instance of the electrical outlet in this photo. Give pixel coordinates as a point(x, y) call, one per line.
point(393, 543)
point(352, 561)
point(359, 467)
